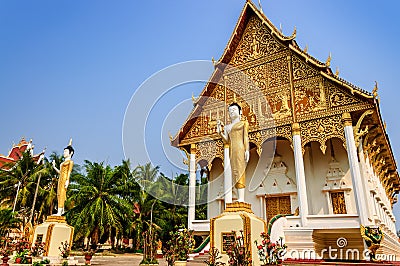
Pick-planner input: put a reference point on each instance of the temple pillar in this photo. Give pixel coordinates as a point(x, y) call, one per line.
point(227, 176)
point(300, 175)
point(192, 186)
point(355, 169)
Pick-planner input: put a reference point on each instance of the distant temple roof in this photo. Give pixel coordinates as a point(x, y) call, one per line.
point(16, 152)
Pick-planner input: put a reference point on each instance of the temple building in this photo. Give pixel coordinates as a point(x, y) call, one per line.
point(321, 164)
point(16, 152)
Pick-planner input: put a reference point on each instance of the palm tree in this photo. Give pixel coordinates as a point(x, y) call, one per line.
point(18, 182)
point(8, 220)
point(97, 203)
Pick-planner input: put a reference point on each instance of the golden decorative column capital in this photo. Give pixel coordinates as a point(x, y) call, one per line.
point(346, 118)
point(193, 149)
point(296, 129)
point(226, 145)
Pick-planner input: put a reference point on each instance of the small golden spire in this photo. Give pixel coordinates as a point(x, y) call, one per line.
point(305, 48)
point(375, 90)
point(294, 32)
point(70, 142)
point(170, 136)
point(328, 61)
point(259, 5)
point(194, 100)
point(213, 60)
point(337, 71)
point(280, 27)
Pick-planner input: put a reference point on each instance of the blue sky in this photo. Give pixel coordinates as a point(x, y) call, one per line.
point(69, 68)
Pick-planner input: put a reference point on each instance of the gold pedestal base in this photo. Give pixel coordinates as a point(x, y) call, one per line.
point(237, 217)
point(53, 232)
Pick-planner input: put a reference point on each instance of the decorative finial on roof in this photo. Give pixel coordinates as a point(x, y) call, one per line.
point(305, 48)
point(194, 100)
point(375, 90)
point(170, 136)
point(280, 27)
point(337, 71)
point(328, 60)
point(259, 5)
point(213, 60)
point(294, 32)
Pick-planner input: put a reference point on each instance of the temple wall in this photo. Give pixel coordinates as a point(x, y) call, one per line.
point(316, 166)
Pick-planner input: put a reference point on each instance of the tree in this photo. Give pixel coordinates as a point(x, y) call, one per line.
point(8, 220)
point(18, 182)
point(97, 203)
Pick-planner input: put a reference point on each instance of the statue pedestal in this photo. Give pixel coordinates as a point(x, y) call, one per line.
point(53, 231)
point(237, 216)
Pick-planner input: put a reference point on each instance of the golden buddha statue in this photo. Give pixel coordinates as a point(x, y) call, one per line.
point(64, 174)
point(236, 135)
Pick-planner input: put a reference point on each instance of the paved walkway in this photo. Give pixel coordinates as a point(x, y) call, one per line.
point(128, 260)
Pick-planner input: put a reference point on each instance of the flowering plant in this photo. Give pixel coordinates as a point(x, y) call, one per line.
point(213, 256)
point(37, 249)
point(268, 252)
point(5, 246)
point(239, 251)
point(64, 249)
point(180, 245)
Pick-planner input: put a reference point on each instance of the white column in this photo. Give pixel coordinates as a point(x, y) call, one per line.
point(300, 175)
point(355, 169)
point(227, 176)
point(192, 186)
point(364, 180)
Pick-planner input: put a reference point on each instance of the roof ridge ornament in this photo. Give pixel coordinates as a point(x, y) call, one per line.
point(328, 60)
point(375, 92)
point(259, 5)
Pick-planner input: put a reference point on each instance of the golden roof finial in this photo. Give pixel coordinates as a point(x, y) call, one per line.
point(70, 142)
point(194, 100)
point(337, 71)
point(280, 27)
point(328, 61)
point(305, 48)
point(259, 5)
point(375, 90)
point(294, 32)
point(213, 60)
point(170, 136)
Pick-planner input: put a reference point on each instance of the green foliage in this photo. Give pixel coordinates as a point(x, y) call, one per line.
point(8, 220)
point(213, 257)
point(180, 245)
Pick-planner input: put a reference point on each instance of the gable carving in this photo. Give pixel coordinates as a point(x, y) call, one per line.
point(256, 42)
point(301, 70)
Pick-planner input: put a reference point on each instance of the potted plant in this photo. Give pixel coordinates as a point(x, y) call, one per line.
point(5, 253)
point(239, 251)
point(88, 254)
point(179, 247)
point(64, 249)
point(37, 249)
point(269, 252)
point(213, 257)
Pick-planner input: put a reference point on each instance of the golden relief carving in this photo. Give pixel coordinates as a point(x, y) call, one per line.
point(301, 70)
point(338, 97)
point(321, 130)
point(338, 202)
point(258, 76)
point(277, 205)
point(278, 72)
point(260, 136)
point(310, 96)
point(256, 42)
point(209, 150)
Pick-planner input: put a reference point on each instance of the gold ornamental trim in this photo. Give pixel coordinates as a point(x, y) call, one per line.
point(238, 206)
point(48, 238)
point(296, 129)
point(346, 118)
point(56, 219)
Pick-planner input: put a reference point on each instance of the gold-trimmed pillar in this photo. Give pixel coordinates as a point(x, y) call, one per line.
point(300, 175)
point(192, 186)
point(355, 168)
